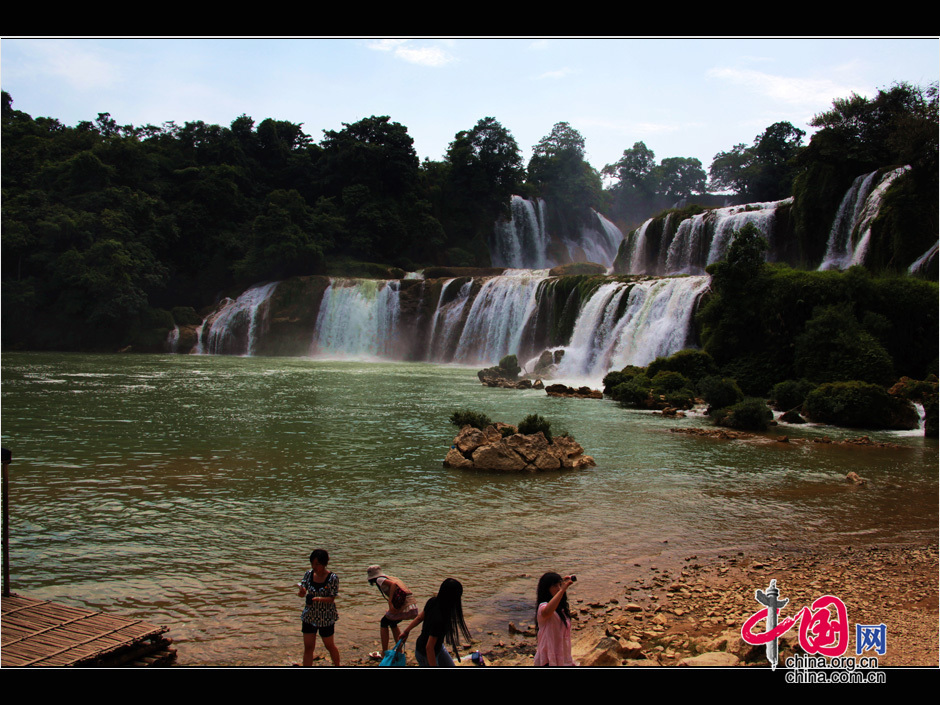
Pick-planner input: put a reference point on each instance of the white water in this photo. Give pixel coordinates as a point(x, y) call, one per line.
point(923, 262)
point(497, 317)
point(236, 325)
point(524, 241)
point(700, 240)
point(654, 324)
point(851, 230)
point(357, 318)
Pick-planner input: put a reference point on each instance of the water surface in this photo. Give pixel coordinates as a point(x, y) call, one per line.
point(189, 491)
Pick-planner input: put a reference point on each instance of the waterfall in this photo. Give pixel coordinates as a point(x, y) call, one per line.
point(602, 323)
point(697, 241)
point(654, 322)
point(923, 263)
point(358, 318)
point(598, 243)
point(851, 229)
point(448, 315)
point(524, 241)
point(498, 315)
point(235, 326)
point(173, 339)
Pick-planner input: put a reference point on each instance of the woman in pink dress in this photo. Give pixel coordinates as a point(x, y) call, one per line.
point(553, 621)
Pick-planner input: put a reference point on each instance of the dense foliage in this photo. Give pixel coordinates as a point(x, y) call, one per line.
point(468, 417)
point(533, 423)
point(765, 324)
point(859, 405)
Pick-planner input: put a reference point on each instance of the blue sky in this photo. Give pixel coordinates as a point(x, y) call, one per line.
point(682, 97)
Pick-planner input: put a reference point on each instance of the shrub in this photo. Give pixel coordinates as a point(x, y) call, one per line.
point(613, 378)
point(835, 348)
point(719, 392)
point(509, 365)
point(752, 414)
point(859, 405)
point(790, 394)
point(470, 418)
point(668, 382)
point(533, 423)
point(635, 392)
point(692, 364)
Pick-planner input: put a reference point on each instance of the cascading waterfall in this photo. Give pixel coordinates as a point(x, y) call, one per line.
point(477, 321)
point(498, 316)
point(358, 318)
point(448, 316)
point(695, 242)
point(654, 322)
point(524, 243)
point(598, 242)
point(927, 260)
point(235, 326)
point(851, 229)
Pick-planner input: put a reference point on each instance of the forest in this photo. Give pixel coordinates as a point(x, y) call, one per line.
point(111, 232)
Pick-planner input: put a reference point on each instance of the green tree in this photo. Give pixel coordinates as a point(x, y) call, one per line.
point(560, 173)
point(763, 171)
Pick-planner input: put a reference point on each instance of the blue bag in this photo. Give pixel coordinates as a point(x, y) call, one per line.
point(394, 657)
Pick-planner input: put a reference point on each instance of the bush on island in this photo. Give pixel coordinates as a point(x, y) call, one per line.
point(613, 378)
point(470, 418)
point(752, 414)
point(790, 394)
point(719, 392)
point(691, 364)
point(634, 393)
point(859, 405)
point(509, 365)
point(533, 423)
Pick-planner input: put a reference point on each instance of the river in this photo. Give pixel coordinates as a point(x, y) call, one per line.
point(189, 490)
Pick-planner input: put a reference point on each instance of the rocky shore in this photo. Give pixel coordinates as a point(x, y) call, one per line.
point(693, 616)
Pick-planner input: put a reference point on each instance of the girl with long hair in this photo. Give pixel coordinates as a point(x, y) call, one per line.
point(553, 621)
point(443, 622)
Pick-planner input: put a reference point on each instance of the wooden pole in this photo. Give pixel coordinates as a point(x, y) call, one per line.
point(7, 457)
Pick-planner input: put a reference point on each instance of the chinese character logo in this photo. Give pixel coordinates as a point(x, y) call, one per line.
point(821, 631)
point(871, 636)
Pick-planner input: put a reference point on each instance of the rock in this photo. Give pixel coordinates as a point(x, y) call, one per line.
point(560, 390)
point(713, 658)
point(456, 459)
point(528, 446)
point(490, 449)
point(498, 456)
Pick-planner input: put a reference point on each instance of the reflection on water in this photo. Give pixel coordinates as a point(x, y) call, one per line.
point(189, 490)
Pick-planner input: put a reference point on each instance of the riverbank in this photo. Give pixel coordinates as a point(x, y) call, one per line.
point(693, 615)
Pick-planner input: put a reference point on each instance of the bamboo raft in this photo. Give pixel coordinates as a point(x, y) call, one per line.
point(43, 633)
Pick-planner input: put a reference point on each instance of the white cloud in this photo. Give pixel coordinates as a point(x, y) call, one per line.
point(793, 91)
point(560, 73)
point(406, 50)
point(84, 69)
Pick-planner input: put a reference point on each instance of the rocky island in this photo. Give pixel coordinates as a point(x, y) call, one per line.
point(501, 447)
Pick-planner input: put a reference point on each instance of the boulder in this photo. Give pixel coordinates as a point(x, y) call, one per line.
point(498, 456)
point(714, 658)
point(499, 447)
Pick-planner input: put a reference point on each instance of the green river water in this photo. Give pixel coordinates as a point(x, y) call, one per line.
point(189, 491)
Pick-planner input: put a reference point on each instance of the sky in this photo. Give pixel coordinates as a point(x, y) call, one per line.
point(681, 97)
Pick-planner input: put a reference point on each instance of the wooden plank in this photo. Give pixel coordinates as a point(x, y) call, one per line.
point(38, 632)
